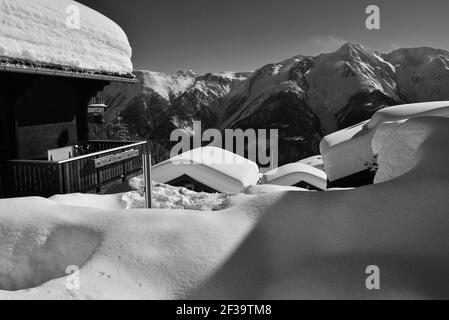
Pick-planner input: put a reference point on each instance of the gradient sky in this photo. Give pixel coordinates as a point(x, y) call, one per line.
point(243, 35)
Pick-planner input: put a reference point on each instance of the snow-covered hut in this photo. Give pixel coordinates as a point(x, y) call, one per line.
point(297, 175)
point(349, 160)
point(209, 169)
point(314, 161)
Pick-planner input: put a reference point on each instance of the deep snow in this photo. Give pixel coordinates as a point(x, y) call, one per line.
point(275, 245)
point(349, 151)
point(36, 31)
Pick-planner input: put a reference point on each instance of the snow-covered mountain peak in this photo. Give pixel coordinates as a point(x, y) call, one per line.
point(187, 73)
point(422, 73)
point(304, 97)
point(339, 75)
point(416, 56)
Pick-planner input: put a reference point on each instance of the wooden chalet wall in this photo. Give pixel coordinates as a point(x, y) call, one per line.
point(43, 112)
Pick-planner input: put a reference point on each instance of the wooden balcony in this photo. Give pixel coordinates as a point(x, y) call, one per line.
point(96, 163)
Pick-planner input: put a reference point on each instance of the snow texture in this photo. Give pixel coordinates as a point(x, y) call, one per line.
point(314, 161)
point(276, 245)
point(36, 31)
point(164, 197)
point(293, 173)
point(349, 151)
point(217, 168)
point(169, 197)
point(318, 245)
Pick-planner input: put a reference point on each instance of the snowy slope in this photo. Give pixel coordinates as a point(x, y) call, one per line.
point(36, 31)
point(285, 245)
point(318, 245)
point(121, 254)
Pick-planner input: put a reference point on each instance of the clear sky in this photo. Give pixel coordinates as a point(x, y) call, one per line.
point(242, 35)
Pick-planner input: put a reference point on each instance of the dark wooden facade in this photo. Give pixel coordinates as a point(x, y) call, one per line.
point(188, 182)
point(40, 111)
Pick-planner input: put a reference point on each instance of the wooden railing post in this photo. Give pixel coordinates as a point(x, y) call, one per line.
point(61, 179)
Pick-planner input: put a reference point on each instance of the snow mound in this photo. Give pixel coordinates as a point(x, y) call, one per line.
point(398, 144)
point(121, 254)
point(349, 151)
point(285, 245)
point(32, 254)
point(36, 31)
point(318, 245)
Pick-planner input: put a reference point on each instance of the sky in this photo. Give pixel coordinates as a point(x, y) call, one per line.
point(244, 35)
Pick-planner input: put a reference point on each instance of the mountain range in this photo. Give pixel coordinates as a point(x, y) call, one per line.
point(303, 97)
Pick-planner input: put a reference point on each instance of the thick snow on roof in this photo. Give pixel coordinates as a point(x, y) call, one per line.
point(36, 32)
point(397, 145)
point(284, 245)
point(293, 173)
point(349, 151)
point(217, 168)
point(314, 161)
point(405, 111)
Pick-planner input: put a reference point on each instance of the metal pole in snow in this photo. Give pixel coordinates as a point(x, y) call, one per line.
point(146, 161)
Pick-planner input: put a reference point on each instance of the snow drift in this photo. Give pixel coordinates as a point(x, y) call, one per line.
point(349, 151)
point(276, 245)
point(36, 31)
point(318, 245)
point(135, 254)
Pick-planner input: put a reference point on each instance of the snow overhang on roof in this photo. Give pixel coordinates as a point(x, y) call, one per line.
point(349, 151)
point(214, 167)
point(38, 36)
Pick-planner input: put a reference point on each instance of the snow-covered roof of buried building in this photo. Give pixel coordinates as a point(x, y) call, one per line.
point(40, 36)
point(349, 151)
point(314, 161)
point(294, 173)
point(214, 167)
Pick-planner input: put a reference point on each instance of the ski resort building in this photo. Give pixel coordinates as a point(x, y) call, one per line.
point(49, 71)
point(348, 157)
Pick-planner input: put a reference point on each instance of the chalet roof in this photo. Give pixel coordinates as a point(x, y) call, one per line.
point(62, 38)
point(28, 67)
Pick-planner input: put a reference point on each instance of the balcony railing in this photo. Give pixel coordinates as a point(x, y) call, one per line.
point(78, 174)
